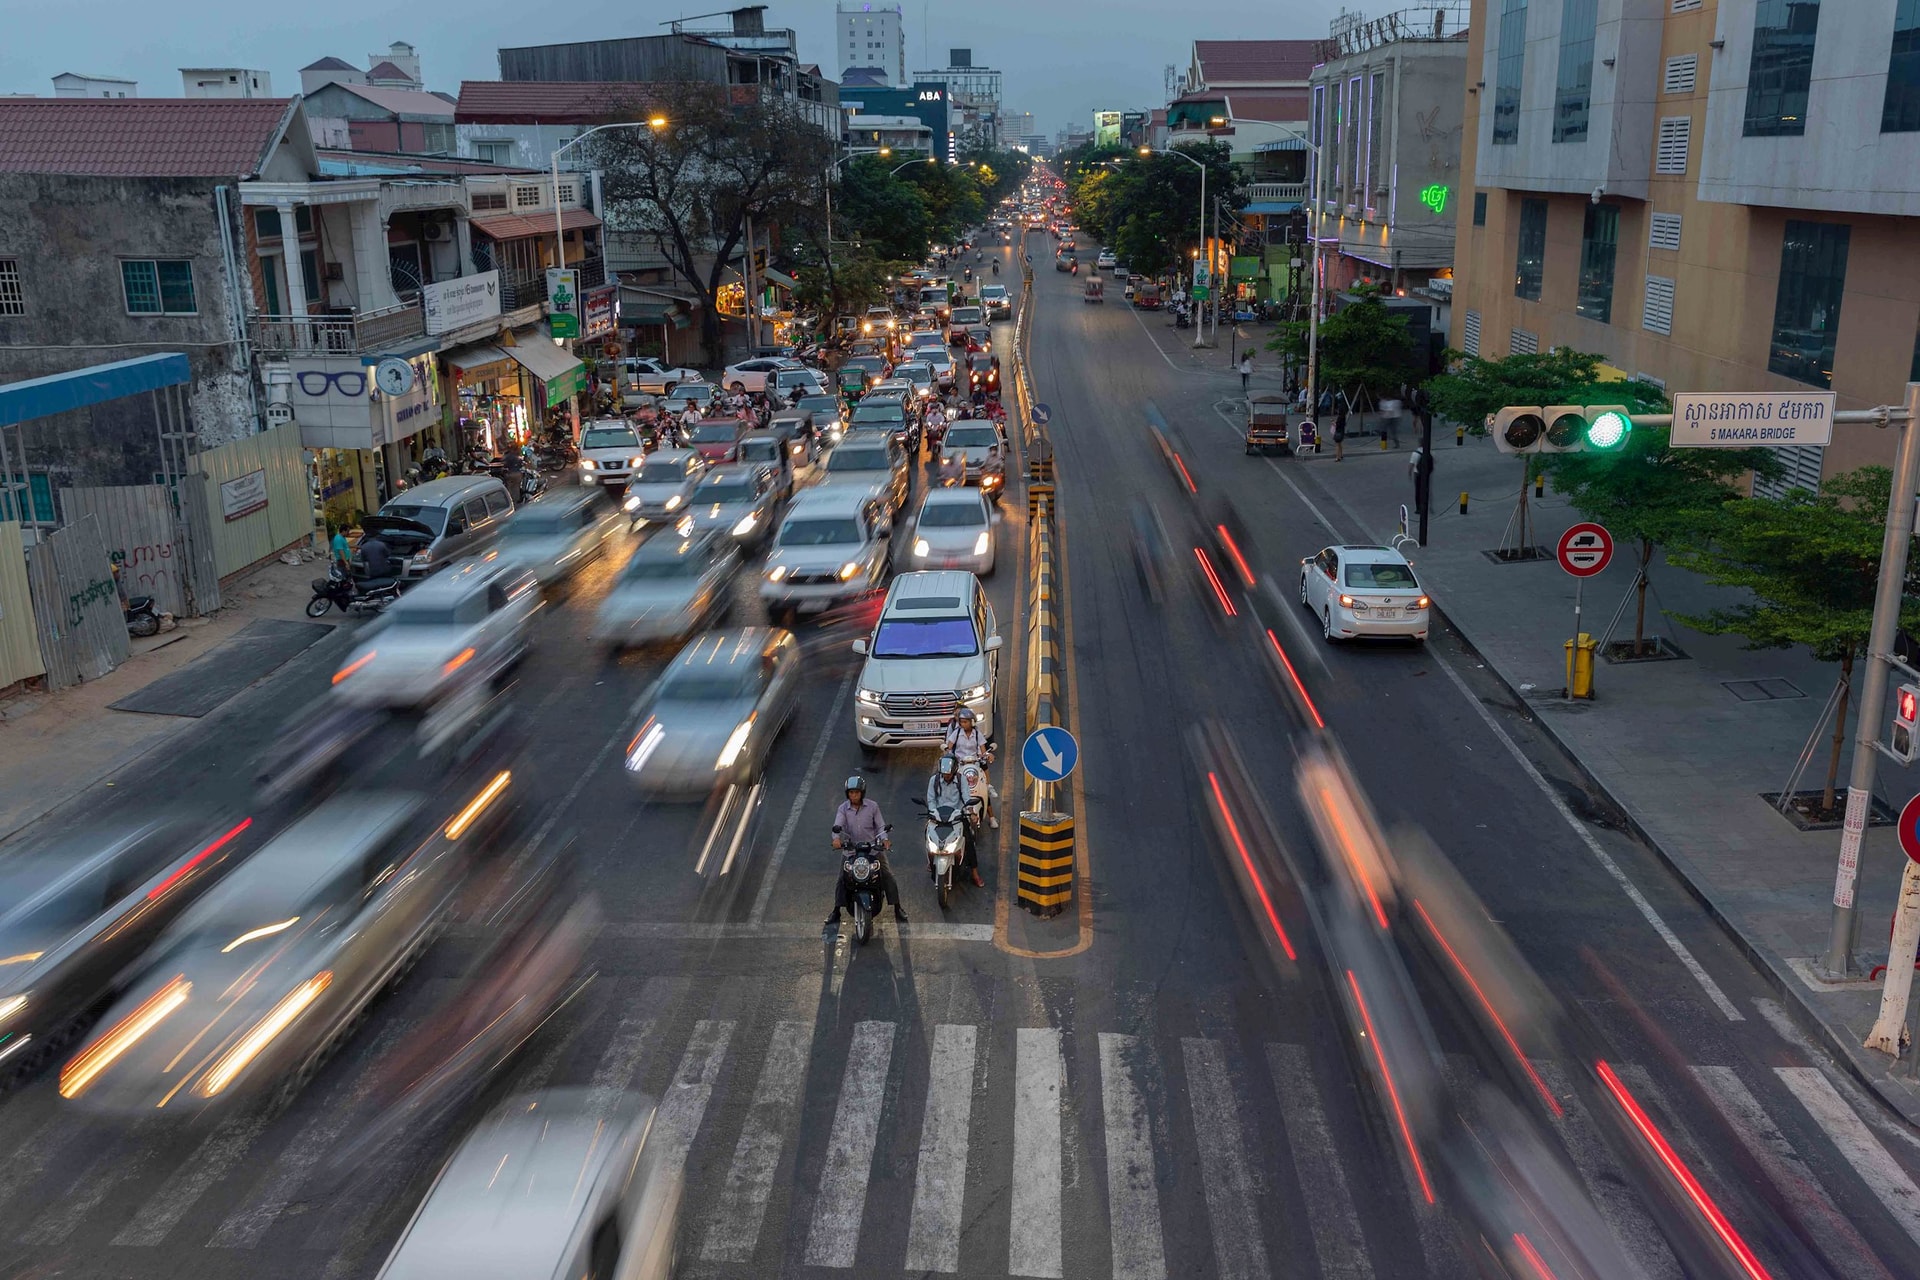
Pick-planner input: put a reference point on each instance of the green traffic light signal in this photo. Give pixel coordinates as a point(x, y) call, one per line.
point(1608, 428)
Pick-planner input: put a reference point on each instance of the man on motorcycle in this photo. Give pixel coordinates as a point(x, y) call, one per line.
point(967, 745)
point(947, 789)
point(858, 822)
point(996, 266)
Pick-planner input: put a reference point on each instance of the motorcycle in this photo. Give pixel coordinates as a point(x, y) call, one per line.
point(141, 617)
point(341, 590)
point(974, 774)
point(946, 845)
point(532, 485)
point(860, 869)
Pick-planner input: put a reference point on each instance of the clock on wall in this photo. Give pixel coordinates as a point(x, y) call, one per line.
point(393, 376)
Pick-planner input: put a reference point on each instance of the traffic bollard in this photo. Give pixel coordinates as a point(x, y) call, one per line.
point(1459, 435)
point(1046, 862)
point(1463, 502)
point(1540, 486)
point(1580, 666)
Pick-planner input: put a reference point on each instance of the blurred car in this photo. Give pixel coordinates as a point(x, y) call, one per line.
point(752, 375)
point(878, 321)
point(468, 623)
point(983, 372)
point(553, 536)
point(610, 449)
point(646, 376)
point(969, 440)
point(796, 380)
point(934, 650)
point(943, 367)
point(954, 530)
point(875, 367)
point(659, 490)
point(553, 1185)
point(1105, 259)
point(997, 301)
point(738, 501)
point(771, 451)
point(872, 460)
point(712, 717)
point(249, 990)
point(832, 546)
point(1363, 591)
point(795, 431)
point(922, 341)
point(77, 914)
point(889, 414)
point(919, 373)
point(1065, 262)
point(672, 586)
point(828, 413)
point(718, 439)
point(687, 395)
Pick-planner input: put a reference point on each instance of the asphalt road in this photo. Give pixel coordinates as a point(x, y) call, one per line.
point(1132, 1089)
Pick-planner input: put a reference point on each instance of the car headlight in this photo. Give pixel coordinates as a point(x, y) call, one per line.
point(777, 574)
point(735, 742)
point(586, 464)
point(673, 503)
point(11, 1005)
point(980, 544)
point(746, 524)
point(920, 549)
point(848, 570)
point(631, 504)
point(867, 697)
point(970, 695)
point(634, 462)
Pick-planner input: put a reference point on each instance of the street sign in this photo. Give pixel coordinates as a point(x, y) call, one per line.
point(1201, 293)
point(1584, 550)
point(1049, 754)
point(1751, 419)
point(1042, 415)
point(1910, 828)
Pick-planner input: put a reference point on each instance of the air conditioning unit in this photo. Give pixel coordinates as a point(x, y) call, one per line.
point(333, 271)
point(436, 231)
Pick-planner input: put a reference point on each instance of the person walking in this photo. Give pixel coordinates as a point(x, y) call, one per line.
point(1246, 372)
point(1340, 432)
point(342, 553)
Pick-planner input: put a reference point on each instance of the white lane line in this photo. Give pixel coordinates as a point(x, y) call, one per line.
point(733, 1232)
point(772, 873)
point(1133, 1197)
point(114, 1165)
point(685, 1101)
point(1337, 1238)
point(1150, 338)
point(1217, 1121)
point(932, 931)
point(834, 1238)
point(1632, 1227)
point(1856, 1143)
point(940, 1181)
point(1833, 1234)
point(618, 1064)
point(163, 1210)
point(1039, 1082)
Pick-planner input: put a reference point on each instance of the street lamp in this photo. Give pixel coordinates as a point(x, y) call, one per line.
point(1199, 330)
point(654, 122)
point(1313, 315)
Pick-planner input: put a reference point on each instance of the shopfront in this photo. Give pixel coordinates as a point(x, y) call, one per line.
point(503, 393)
point(365, 419)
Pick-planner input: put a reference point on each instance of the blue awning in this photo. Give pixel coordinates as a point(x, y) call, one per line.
point(1270, 206)
point(96, 384)
point(1282, 144)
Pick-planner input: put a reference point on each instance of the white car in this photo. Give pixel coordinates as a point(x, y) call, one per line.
point(1105, 260)
point(1363, 591)
point(831, 547)
point(609, 451)
point(659, 491)
point(969, 440)
point(646, 376)
point(954, 530)
point(751, 375)
point(553, 536)
point(465, 625)
point(670, 587)
point(943, 368)
point(997, 300)
point(935, 649)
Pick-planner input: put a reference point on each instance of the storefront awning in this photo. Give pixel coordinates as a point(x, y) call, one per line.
point(1270, 207)
point(514, 226)
point(562, 372)
point(780, 278)
point(473, 357)
point(1281, 144)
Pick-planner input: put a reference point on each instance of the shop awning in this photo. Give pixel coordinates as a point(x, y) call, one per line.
point(473, 357)
point(513, 226)
point(779, 278)
point(1278, 144)
point(97, 384)
point(1270, 207)
point(562, 373)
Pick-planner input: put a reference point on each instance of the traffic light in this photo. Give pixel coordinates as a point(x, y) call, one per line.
point(1561, 428)
point(1906, 711)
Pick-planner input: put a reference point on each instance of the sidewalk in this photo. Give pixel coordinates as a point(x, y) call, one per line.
point(53, 746)
point(1683, 747)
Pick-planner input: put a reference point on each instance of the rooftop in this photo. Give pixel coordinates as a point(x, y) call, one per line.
point(402, 102)
point(387, 71)
point(140, 137)
point(330, 63)
point(1230, 62)
point(541, 102)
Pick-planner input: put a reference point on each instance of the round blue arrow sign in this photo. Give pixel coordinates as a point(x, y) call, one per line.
point(1049, 754)
point(1041, 415)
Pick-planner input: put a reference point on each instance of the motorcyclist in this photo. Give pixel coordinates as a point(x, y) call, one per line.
point(996, 266)
point(857, 821)
point(947, 789)
point(968, 745)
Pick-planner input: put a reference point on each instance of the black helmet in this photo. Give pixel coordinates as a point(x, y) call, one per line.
point(856, 783)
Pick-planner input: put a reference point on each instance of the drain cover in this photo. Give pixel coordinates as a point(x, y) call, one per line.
point(1762, 690)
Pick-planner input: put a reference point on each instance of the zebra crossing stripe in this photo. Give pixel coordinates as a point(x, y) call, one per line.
point(1133, 1199)
point(1238, 1249)
point(1847, 1131)
point(1637, 1233)
point(1337, 1239)
point(1033, 1247)
point(834, 1238)
point(163, 1210)
point(733, 1232)
point(940, 1181)
point(685, 1101)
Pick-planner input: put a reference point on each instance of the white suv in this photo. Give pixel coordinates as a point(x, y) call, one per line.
point(935, 649)
point(610, 449)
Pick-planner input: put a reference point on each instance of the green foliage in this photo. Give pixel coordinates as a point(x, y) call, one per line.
point(1365, 347)
point(1147, 208)
point(888, 216)
point(1651, 493)
point(860, 279)
point(1475, 388)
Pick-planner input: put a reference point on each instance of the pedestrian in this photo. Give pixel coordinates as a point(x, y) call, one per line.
point(1246, 372)
point(342, 553)
point(1340, 432)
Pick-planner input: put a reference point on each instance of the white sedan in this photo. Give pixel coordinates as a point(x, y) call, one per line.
point(954, 530)
point(751, 375)
point(1363, 591)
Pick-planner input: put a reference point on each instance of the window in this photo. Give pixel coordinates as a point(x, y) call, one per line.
point(1806, 310)
point(1376, 108)
point(161, 287)
point(1676, 137)
point(1470, 333)
point(1506, 89)
point(1781, 68)
point(1682, 68)
point(1479, 208)
point(489, 201)
point(1901, 114)
point(1573, 90)
point(526, 197)
point(1598, 241)
point(493, 152)
point(567, 193)
point(1663, 231)
point(12, 301)
point(1522, 343)
point(1656, 313)
point(1532, 257)
point(1686, 6)
point(310, 275)
point(266, 222)
point(1317, 127)
point(1351, 123)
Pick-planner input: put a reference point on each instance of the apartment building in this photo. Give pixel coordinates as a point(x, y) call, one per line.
point(1715, 195)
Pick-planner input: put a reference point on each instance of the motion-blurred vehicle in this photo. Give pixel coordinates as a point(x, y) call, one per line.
point(828, 414)
point(718, 439)
point(954, 530)
point(737, 501)
point(1066, 262)
point(712, 717)
point(873, 461)
point(794, 430)
point(919, 373)
point(934, 650)
point(554, 1185)
point(469, 624)
point(772, 450)
point(983, 373)
point(832, 547)
point(610, 449)
point(672, 586)
point(647, 376)
point(889, 414)
point(962, 320)
point(252, 987)
point(967, 443)
point(461, 515)
point(922, 341)
point(789, 382)
point(878, 321)
point(77, 914)
point(553, 537)
point(1146, 296)
point(1104, 260)
point(875, 366)
point(1363, 591)
point(944, 367)
point(658, 491)
point(752, 375)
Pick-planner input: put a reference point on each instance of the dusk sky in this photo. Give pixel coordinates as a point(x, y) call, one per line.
point(1062, 61)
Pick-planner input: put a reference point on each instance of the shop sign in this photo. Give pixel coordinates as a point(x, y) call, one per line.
point(563, 302)
point(603, 311)
point(455, 304)
point(243, 495)
point(414, 410)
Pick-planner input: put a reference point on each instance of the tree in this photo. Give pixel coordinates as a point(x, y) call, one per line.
point(1811, 562)
point(860, 279)
point(1363, 347)
point(886, 214)
point(1147, 208)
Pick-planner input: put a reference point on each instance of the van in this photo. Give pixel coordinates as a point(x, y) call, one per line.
point(459, 516)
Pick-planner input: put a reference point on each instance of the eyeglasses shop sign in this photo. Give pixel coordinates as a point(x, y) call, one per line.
point(455, 304)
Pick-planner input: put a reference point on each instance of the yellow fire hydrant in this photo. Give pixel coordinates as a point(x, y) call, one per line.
point(1580, 666)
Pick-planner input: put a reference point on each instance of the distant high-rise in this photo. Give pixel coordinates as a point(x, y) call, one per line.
point(870, 35)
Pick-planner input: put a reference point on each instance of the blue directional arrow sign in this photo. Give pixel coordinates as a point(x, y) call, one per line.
point(1042, 415)
point(1049, 754)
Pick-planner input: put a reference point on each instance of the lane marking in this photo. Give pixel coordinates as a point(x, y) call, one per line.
point(917, 931)
point(733, 1232)
point(834, 1239)
point(1238, 1248)
point(1033, 1248)
point(1133, 1197)
point(940, 1182)
point(800, 797)
point(685, 1102)
point(207, 1165)
point(1882, 1174)
point(1135, 313)
point(613, 1076)
point(1337, 1239)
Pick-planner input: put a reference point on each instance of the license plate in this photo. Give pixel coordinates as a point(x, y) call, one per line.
point(923, 726)
point(1386, 613)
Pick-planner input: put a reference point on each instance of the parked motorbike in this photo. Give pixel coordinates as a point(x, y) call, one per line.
point(860, 868)
point(532, 485)
point(141, 617)
point(341, 590)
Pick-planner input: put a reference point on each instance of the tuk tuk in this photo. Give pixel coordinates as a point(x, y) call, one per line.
point(1096, 289)
point(1267, 425)
point(1147, 296)
point(853, 382)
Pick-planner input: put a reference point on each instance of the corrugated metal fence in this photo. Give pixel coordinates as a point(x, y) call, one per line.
point(136, 523)
point(258, 503)
point(77, 609)
point(19, 642)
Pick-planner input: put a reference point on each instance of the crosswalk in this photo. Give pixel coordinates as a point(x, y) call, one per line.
point(821, 1143)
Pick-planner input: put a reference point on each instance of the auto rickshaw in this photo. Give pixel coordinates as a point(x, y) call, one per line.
point(853, 382)
point(1096, 290)
point(1267, 426)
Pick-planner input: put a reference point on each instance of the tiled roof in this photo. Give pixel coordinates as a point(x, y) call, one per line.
point(512, 226)
point(1227, 62)
point(139, 137)
point(1271, 104)
point(330, 63)
point(537, 102)
point(387, 71)
point(402, 102)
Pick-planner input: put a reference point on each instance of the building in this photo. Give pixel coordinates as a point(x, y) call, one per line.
point(367, 117)
point(1037, 145)
point(973, 101)
point(224, 82)
point(1228, 80)
point(329, 70)
point(897, 133)
point(1726, 197)
point(76, 84)
point(1386, 110)
point(525, 122)
point(868, 35)
point(397, 68)
point(923, 100)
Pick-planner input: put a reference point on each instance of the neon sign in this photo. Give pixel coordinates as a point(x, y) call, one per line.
point(1435, 197)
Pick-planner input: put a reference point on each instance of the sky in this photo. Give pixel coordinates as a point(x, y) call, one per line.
point(1062, 59)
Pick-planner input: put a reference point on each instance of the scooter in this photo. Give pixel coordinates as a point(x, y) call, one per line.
point(946, 844)
point(141, 617)
point(340, 590)
point(860, 868)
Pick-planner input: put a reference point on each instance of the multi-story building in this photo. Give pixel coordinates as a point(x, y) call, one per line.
point(924, 100)
point(973, 101)
point(1228, 80)
point(369, 117)
point(224, 82)
point(870, 35)
point(1715, 194)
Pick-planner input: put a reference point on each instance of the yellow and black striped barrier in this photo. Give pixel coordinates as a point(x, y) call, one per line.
point(1046, 862)
point(1043, 624)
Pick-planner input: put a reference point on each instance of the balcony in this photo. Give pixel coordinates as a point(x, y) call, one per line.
point(1275, 192)
point(521, 289)
point(353, 334)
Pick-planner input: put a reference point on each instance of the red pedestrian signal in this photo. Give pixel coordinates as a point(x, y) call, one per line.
point(1906, 724)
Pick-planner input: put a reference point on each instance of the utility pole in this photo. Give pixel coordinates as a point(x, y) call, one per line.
point(1423, 480)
